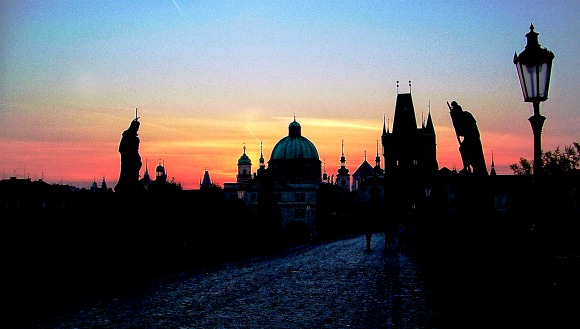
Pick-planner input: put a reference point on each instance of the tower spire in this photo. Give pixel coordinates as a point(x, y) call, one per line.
point(324, 174)
point(377, 159)
point(342, 158)
point(384, 124)
point(492, 171)
point(262, 164)
point(343, 177)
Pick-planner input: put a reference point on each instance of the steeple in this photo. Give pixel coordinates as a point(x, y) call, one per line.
point(407, 149)
point(377, 169)
point(262, 163)
point(94, 187)
point(146, 174)
point(492, 173)
point(206, 182)
point(404, 123)
point(429, 128)
point(324, 175)
point(342, 169)
point(384, 125)
point(343, 177)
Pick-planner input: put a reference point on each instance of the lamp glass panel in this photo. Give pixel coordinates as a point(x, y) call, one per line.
point(543, 80)
point(522, 80)
point(531, 78)
point(534, 80)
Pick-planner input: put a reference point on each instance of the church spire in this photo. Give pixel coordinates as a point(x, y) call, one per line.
point(343, 177)
point(342, 170)
point(493, 173)
point(262, 163)
point(342, 158)
point(384, 125)
point(377, 158)
point(324, 175)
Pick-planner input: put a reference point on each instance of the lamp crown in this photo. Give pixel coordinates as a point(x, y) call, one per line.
point(533, 53)
point(532, 38)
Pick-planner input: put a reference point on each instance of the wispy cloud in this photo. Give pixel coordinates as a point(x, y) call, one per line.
point(334, 123)
point(251, 132)
point(176, 6)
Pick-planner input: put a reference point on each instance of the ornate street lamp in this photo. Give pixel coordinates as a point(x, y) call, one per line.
point(534, 66)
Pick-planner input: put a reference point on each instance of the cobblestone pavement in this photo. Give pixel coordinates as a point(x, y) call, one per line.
point(334, 284)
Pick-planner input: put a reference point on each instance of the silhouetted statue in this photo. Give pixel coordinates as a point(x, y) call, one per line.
point(470, 146)
point(130, 160)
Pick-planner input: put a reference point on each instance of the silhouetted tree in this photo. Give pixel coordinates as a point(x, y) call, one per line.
point(524, 167)
point(558, 162)
point(554, 162)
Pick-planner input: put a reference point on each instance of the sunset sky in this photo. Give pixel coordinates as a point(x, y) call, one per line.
point(209, 77)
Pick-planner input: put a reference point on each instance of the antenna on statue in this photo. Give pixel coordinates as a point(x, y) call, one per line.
point(136, 117)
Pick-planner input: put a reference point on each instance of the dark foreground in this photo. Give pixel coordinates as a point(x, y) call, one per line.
point(338, 284)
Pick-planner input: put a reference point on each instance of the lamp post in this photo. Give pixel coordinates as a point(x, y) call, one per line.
point(534, 66)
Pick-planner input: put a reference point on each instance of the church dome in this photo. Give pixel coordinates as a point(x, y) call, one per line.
point(294, 158)
point(294, 146)
point(244, 159)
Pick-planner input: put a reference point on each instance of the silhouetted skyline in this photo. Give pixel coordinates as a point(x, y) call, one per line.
point(210, 78)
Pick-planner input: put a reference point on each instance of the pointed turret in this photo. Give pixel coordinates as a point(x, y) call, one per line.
point(492, 173)
point(364, 171)
point(325, 175)
point(206, 182)
point(377, 169)
point(262, 161)
point(343, 177)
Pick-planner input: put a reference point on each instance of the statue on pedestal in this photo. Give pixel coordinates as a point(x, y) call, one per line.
point(130, 159)
point(470, 146)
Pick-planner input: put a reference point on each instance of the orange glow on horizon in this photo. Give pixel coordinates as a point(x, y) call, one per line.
point(187, 155)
